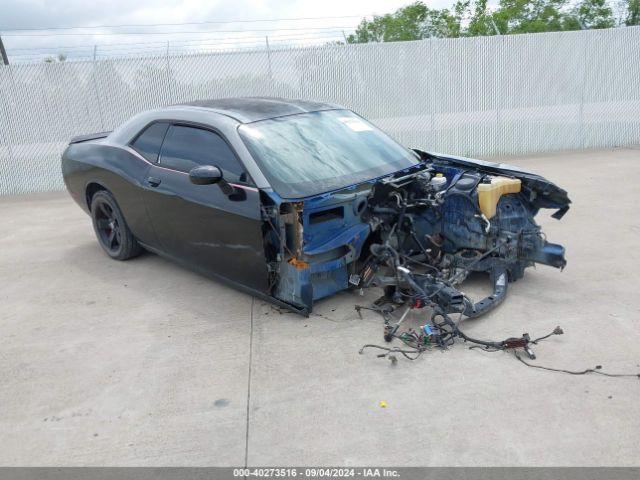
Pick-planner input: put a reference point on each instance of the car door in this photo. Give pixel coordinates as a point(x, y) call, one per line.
point(147, 145)
point(200, 224)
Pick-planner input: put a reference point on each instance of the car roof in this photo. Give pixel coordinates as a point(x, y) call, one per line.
point(253, 109)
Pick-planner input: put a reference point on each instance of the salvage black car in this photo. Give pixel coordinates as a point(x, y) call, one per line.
point(294, 201)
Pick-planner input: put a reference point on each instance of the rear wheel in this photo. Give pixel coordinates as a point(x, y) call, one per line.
point(112, 231)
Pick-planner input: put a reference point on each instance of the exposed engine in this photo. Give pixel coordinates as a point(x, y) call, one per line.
point(416, 234)
point(432, 228)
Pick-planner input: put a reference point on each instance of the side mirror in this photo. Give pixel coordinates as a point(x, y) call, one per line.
point(205, 175)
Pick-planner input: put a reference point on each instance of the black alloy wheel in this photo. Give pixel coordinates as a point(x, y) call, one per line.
point(108, 228)
point(112, 231)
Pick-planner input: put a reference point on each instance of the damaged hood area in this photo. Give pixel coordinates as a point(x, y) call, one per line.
point(544, 194)
point(416, 234)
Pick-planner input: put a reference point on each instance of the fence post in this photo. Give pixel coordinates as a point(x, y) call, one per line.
point(266, 38)
point(432, 95)
point(95, 86)
point(585, 50)
point(169, 88)
point(5, 138)
point(498, 91)
point(3, 53)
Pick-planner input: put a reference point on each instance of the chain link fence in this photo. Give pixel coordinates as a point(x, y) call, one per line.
point(480, 96)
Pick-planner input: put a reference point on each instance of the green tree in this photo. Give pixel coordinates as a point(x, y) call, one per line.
point(633, 13)
point(403, 24)
point(61, 57)
point(594, 14)
point(531, 16)
point(413, 22)
point(482, 22)
point(475, 18)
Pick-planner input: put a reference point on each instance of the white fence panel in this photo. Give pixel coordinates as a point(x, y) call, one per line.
point(473, 96)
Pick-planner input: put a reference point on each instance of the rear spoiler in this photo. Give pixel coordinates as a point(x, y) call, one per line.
point(90, 136)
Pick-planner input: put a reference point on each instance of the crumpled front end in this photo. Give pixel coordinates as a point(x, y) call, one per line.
point(416, 234)
point(318, 241)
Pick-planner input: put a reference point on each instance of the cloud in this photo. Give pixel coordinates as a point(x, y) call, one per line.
point(28, 14)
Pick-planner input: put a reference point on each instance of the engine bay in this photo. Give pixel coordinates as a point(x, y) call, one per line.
point(416, 235)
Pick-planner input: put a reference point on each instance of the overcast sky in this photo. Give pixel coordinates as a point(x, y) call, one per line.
point(29, 14)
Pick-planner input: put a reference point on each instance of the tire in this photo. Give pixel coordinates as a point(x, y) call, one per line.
point(111, 229)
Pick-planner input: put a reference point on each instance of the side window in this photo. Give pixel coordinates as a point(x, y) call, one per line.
point(149, 142)
point(187, 147)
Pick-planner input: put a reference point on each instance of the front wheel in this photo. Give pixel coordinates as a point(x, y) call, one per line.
point(112, 231)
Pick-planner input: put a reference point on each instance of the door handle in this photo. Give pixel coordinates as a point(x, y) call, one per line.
point(153, 181)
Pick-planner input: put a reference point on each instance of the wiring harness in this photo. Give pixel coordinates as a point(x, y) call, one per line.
point(430, 291)
point(442, 333)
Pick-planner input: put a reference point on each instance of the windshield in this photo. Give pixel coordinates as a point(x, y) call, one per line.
point(311, 153)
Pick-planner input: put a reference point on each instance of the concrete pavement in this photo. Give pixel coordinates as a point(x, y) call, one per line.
point(146, 363)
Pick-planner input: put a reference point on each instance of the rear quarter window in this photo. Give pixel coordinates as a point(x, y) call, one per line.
point(148, 143)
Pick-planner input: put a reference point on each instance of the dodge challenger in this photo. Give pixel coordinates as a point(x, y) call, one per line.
point(293, 201)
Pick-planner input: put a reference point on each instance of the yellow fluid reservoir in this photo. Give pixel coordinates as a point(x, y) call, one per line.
point(489, 193)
